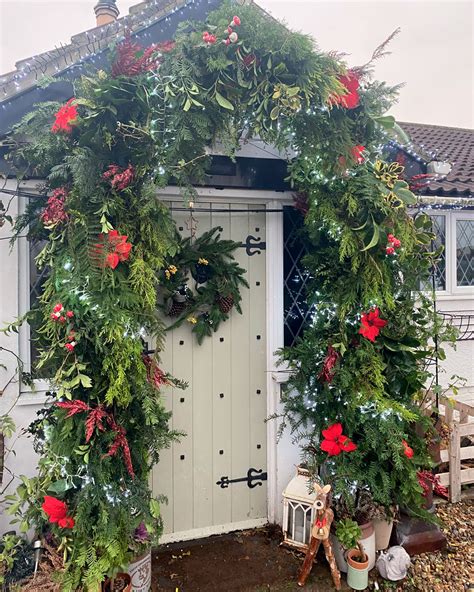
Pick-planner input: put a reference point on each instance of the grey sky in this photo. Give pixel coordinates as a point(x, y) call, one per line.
point(433, 54)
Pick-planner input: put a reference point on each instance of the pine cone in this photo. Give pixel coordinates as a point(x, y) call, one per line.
point(176, 308)
point(225, 303)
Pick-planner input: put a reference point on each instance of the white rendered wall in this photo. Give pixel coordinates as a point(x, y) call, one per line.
point(24, 460)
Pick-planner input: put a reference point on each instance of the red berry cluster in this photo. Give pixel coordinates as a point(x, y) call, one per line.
point(208, 38)
point(119, 178)
point(393, 243)
point(60, 315)
point(232, 36)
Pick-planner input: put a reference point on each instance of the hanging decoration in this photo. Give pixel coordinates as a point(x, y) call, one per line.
point(203, 283)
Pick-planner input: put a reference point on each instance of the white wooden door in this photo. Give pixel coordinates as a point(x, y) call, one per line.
point(224, 408)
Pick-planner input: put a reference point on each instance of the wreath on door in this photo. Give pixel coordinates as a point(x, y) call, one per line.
point(202, 283)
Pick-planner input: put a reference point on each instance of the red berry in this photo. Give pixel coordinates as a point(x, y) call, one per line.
point(58, 307)
point(69, 314)
point(53, 316)
point(227, 41)
point(396, 243)
point(236, 21)
point(212, 39)
point(229, 29)
point(69, 347)
point(62, 319)
point(390, 238)
point(390, 250)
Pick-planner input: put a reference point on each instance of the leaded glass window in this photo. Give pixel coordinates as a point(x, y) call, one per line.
point(465, 252)
point(439, 229)
point(296, 310)
point(37, 279)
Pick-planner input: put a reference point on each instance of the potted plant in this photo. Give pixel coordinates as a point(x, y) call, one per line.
point(349, 533)
point(361, 508)
point(382, 521)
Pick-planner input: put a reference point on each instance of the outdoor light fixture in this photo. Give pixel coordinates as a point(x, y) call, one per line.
point(298, 510)
point(438, 167)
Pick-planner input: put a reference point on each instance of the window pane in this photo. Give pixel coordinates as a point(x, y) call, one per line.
point(465, 252)
point(296, 310)
point(439, 229)
point(37, 279)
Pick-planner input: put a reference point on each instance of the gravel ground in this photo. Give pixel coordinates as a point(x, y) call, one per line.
point(451, 570)
point(254, 561)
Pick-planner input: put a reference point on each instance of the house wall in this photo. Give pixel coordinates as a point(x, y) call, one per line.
point(283, 454)
point(23, 409)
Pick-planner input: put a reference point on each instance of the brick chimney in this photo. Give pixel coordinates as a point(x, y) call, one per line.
point(106, 12)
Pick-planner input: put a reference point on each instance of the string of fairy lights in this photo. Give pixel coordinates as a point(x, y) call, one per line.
point(92, 43)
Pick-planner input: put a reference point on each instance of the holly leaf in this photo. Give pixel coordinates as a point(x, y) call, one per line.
point(223, 102)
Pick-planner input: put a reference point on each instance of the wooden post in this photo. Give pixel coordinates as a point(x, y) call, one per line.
point(454, 463)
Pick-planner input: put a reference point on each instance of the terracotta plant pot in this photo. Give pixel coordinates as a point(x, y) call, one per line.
point(122, 582)
point(383, 531)
point(358, 571)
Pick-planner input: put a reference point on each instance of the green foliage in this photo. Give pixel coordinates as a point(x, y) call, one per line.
point(348, 533)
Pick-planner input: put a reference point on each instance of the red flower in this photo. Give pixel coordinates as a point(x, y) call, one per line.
point(351, 99)
point(56, 510)
point(116, 249)
point(67, 522)
point(407, 450)
point(64, 117)
point(371, 324)
point(335, 442)
point(112, 260)
point(356, 153)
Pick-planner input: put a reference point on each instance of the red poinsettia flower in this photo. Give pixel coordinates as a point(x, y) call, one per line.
point(407, 450)
point(65, 117)
point(351, 99)
point(115, 248)
point(357, 153)
point(112, 260)
point(56, 510)
point(335, 442)
point(371, 324)
point(67, 522)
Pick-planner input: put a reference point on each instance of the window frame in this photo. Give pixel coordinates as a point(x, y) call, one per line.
point(455, 289)
point(452, 291)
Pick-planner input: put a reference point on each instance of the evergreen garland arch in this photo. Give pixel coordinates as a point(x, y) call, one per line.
point(126, 134)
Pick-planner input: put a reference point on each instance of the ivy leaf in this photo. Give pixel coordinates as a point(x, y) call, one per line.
point(223, 102)
point(85, 380)
point(59, 486)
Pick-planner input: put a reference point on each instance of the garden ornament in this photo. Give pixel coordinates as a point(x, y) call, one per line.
point(320, 534)
point(393, 564)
